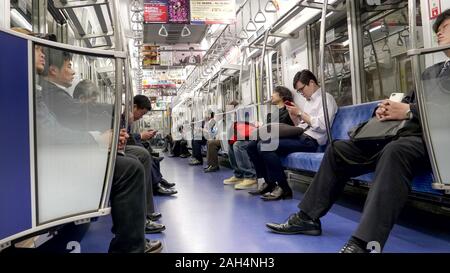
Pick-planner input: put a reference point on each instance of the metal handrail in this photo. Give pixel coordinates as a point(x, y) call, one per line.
point(117, 108)
point(322, 64)
point(71, 48)
point(261, 81)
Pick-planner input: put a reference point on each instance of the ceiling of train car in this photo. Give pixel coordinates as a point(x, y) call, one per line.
point(174, 34)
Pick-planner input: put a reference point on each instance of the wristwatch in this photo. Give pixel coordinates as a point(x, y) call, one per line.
point(299, 115)
point(409, 114)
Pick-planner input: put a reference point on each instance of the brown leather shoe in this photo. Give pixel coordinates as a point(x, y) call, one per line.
point(277, 194)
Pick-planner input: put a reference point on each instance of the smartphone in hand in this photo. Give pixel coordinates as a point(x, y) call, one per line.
point(289, 103)
point(397, 97)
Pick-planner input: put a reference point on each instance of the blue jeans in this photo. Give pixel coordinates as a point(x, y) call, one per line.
point(240, 161)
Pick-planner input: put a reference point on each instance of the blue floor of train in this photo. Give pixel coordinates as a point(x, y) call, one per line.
point(207, 216)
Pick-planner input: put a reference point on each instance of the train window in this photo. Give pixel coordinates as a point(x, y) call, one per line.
point(337, 57)
point(385, 37)
point(73, 132)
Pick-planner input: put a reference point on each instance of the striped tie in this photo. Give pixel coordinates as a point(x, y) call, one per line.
point(445, 68)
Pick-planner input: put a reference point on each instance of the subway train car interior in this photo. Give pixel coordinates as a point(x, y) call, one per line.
point(232, 126)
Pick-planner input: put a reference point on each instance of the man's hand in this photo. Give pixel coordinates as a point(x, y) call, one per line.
point(390, 110)
point(123, 136)
point(293, 113)
point(146, 135)
point(293, 110)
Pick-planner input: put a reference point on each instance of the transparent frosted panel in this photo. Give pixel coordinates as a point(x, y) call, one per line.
point(436, 86)
point(74, 119)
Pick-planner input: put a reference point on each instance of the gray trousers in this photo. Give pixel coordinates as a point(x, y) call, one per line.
point(395, 166)
point(146, 159)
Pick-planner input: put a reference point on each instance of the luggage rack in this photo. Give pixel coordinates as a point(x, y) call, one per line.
point(277, 30)
point(103, 13)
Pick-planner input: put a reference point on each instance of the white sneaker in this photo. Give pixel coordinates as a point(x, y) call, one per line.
point(246, 184)
point(232, 180)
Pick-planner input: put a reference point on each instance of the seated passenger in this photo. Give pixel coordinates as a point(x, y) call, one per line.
point(279, 97)
point(213, 145)
point(141, 105)
point(311, 133)
point(86, 92)
point(395, 165)
point(198, 140)
point(58, 76)
point(169, 143)
point(180, 146)
point(244, 173)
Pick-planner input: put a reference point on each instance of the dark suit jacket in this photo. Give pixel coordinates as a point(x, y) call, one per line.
point(436, 86)
point(73, 114)
point(51, 132)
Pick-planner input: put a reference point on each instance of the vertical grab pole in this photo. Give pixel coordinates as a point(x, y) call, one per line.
point(244, 55)
point(261, 81)
point(322, 69)
point(218, 89)
point(117, 110)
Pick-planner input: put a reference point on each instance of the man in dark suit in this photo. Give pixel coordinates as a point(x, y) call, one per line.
point(141, 105)
point(58, 76)
point(395, 165)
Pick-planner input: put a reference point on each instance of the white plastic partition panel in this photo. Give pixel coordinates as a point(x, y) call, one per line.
point(73, 138)
point(436, 94)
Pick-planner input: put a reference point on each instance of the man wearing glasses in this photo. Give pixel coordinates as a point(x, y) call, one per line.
point(311, 135)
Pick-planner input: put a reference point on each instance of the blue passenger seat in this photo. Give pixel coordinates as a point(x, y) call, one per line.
point(346, 118)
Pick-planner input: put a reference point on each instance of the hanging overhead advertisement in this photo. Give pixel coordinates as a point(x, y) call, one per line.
point(178, 11)
point(155, 11)
point(187, 58)
point(213, 11)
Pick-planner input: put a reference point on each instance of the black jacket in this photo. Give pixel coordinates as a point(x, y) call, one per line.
point(73, 114)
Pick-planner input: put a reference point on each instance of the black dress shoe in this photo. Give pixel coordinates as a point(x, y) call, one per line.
point(296, 225)
point(153, 246)
point(166, 184)
point(154, 216)
point(160, 190)
point(211, 169)
point(277, 194)
point(352, 247)
point(153, 227)
point(265, 188)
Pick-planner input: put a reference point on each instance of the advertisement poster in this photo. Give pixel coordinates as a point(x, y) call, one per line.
point(155, 11)
point(213, 11)
point(187, 58)
point(178, 11)
point(151, 56)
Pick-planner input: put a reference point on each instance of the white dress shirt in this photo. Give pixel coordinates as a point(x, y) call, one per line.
point(313, 107)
